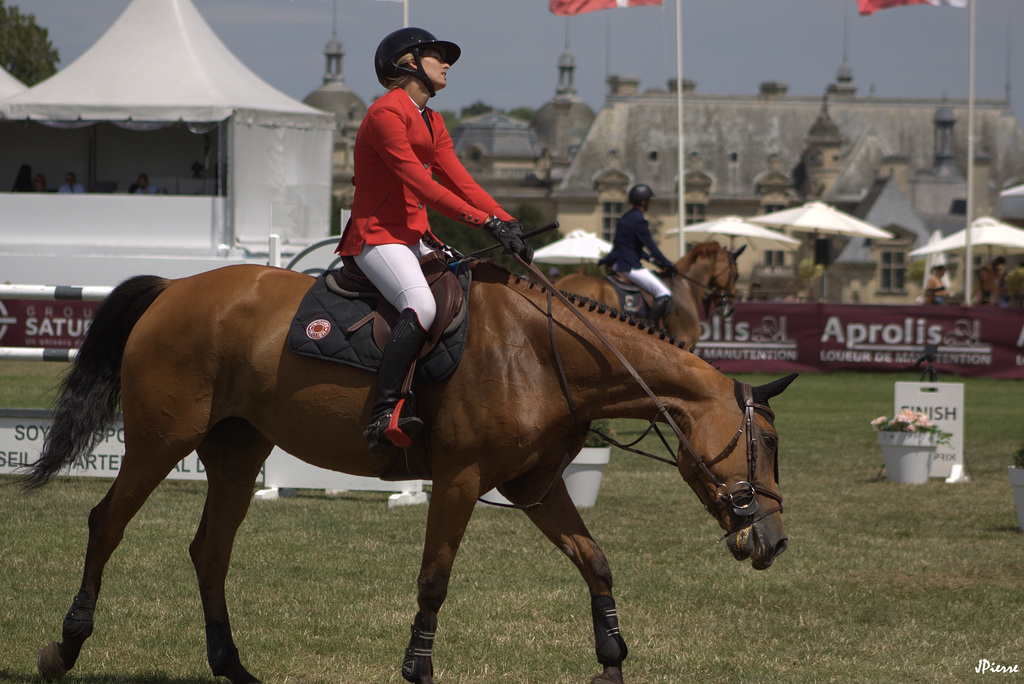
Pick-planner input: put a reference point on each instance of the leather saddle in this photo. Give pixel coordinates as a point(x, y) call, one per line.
point(632, 299)
point(449, 295)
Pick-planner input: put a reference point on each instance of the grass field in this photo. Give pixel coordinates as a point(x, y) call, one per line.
point(881, 582)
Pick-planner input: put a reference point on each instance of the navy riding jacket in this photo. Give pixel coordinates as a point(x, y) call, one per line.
point(632, 236)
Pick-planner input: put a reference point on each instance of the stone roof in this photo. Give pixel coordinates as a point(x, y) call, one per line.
point(497, 135)
point(578, 118)
point(888, 208)
point(733, 136)
point(338, 99)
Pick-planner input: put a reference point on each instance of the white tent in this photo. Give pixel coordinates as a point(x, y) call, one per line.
point(159, 93)
point(9, 85)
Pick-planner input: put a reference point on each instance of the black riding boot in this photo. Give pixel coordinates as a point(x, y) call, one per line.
point(658, 309)
point(392, 424)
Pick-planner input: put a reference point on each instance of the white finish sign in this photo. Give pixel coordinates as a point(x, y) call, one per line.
point(943, 403)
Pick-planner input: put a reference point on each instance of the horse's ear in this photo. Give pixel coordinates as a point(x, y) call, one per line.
point(774, 388)
point(736, 254)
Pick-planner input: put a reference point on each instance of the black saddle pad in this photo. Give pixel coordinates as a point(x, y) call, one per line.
point(631, 297)
point(320, 329)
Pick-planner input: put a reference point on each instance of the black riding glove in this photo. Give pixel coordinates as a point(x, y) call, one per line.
point(510, 235)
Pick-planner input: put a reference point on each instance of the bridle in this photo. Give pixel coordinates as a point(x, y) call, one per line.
point(740, 498)
point(713, 294)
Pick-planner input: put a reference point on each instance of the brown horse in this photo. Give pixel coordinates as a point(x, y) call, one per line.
point(202, 364)
point(707, 273)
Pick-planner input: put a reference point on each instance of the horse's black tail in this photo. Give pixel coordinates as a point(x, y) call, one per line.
point(91, 389)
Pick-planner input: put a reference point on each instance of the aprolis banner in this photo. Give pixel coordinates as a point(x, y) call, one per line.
point(778, 337)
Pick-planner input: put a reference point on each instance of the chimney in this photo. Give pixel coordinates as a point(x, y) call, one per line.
point(619, 86)
point(773, 88)
point(689, 87)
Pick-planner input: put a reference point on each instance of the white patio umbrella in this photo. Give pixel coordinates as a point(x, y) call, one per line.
point(577, 247)
point(735, 228)
point(997, 237)
point(823, 219)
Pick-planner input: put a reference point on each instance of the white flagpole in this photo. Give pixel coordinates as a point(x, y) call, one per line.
point(968, 256)
point(679, 125)
point(405, 13)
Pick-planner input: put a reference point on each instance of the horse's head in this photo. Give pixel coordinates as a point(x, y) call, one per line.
point(732, 464)
point(722, 288)
point(722, 274)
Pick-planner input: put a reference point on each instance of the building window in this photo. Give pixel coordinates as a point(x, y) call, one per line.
point(695, 213)
point(773, 258)
point(610, 213)
point(893, 271)
point(771, 208)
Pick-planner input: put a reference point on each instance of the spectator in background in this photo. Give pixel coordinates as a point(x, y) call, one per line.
point(991, 286)
point(23, 182)
point(71, 184)
point(39, 183)
point(935, 291)
point(999, 269)
point(142, 186)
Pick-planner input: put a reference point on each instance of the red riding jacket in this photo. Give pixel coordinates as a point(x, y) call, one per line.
point(395, 159)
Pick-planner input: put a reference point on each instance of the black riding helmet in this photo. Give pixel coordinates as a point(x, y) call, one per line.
point(640, 193)
point(410, 39)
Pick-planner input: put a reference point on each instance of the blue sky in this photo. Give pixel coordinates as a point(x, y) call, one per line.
point(511, 47)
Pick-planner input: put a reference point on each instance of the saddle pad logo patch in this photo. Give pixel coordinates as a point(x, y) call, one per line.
point(318, 329)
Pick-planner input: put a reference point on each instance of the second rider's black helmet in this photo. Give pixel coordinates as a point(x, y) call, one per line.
point(640, 193)
point(410, 39)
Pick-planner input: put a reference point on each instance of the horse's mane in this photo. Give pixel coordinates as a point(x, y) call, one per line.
point(489, 271)
point(704, 249)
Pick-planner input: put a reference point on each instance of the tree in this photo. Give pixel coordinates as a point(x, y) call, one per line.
point(475, 109)
point(523, 113)
point(25, 48)
point(469, 239)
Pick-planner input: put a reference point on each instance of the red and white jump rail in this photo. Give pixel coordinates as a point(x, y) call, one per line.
point(49, 293)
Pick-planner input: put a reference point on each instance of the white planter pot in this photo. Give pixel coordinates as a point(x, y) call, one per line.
point(907, 455)
point(582, 477)
point(1017, 484)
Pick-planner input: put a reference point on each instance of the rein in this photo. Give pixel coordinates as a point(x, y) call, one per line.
point(741, 496)
point(714, 292)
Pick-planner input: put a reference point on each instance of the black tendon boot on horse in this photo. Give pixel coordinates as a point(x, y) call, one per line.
point(391, 421)
point(658, 310)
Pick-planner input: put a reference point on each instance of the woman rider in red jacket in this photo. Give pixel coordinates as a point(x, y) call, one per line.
point(401, 146)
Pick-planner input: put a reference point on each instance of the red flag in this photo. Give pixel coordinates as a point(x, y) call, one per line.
point(871, 6)
point(566, 8)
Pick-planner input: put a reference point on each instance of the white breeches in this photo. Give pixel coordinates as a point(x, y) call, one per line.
point(395, 270)
point(641, 277)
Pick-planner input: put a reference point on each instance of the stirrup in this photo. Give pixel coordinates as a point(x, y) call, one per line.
point(392, 429)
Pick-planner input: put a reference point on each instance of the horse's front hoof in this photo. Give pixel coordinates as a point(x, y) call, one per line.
point(611, 675)
point(51, 664)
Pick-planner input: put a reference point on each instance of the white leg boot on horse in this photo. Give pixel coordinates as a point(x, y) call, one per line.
point(391, 421)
